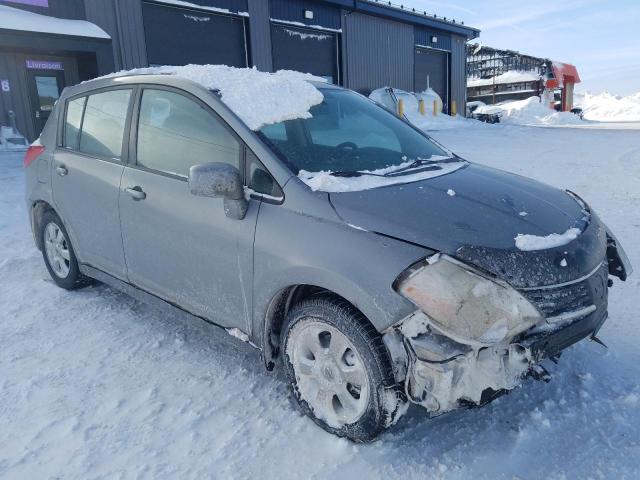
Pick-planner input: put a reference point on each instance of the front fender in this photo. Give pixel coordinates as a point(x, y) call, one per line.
point(292, 248)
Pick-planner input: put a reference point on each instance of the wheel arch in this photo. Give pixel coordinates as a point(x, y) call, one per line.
point(279, 306)
point(38, 208)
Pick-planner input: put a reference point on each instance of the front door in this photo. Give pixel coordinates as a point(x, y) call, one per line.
point(45, 87)
point(180, 247)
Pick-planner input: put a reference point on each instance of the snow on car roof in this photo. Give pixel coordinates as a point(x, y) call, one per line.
point(258, 98)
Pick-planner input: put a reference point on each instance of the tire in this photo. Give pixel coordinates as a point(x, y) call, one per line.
point(320, 380)
point(64, 271)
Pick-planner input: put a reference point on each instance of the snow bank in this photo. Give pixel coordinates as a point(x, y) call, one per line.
point(512, 76)
point(529, 243)
point(530, 112)
point(326, 182)
point(428, 121)
point(15, 19)
point(605, 107)
point(258, 98)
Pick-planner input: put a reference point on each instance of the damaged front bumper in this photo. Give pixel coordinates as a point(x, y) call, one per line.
point(442, 374)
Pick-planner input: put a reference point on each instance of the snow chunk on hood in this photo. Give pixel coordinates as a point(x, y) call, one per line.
point(258, 98)
point(325, 181)
point(529, 243)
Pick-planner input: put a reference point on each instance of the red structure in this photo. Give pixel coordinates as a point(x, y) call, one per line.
point(563, 76)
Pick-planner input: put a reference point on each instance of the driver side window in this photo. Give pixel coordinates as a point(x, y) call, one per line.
point(175, 132)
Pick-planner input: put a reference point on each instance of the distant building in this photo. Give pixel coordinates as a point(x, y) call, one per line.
point(494, 76)
point(361, 44)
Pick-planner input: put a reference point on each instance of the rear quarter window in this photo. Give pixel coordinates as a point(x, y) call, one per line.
point(72, 121)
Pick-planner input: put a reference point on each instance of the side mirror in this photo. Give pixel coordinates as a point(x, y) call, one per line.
point(220, 180)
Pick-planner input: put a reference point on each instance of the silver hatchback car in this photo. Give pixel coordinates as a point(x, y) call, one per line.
point(375, 266)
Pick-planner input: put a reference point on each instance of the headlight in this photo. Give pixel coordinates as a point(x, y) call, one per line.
point(466, 305)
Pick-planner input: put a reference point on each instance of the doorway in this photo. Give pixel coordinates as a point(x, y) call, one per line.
point(45, 87)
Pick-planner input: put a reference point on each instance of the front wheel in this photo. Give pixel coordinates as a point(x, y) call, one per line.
point(339, 369)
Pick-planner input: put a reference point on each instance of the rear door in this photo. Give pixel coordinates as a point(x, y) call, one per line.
point(180, 247)
point(87, 168)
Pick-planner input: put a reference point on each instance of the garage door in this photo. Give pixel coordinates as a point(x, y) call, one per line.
point(431, 69)
point(178, 36)
point(305, 50)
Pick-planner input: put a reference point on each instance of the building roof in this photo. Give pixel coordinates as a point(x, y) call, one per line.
point(21, 20)
point(399, 12)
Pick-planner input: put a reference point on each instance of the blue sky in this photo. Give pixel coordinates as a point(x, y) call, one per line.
point(602, 38)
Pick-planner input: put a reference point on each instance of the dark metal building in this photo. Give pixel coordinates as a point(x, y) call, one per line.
point(361, 44)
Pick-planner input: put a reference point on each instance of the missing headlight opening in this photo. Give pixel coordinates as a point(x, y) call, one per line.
point(474, 337)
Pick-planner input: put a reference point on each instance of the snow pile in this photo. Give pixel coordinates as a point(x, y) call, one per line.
point(605, 107)
point(512, 76)
point(15, 19)
point(258, 98)
point(325, 181)
point(529, 243)
point(530, 112)
point(428, 121)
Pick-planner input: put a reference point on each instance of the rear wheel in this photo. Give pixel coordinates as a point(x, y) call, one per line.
point(58, 253)
point(339, 369)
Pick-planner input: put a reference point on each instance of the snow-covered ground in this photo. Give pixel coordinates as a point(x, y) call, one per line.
point(96, 385)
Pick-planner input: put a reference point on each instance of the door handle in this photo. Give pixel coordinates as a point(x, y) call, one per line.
point(136, 192)
point(62, 170)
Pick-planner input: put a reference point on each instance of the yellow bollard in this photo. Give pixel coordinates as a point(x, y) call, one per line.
point(435, 108)
point(421, 106)
point(400, 107)
point(454, 108)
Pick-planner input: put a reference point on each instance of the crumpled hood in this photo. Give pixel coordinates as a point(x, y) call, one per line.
point(475, 213)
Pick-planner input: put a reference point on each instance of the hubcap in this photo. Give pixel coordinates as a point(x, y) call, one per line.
point(330, 374)
point(57, 250)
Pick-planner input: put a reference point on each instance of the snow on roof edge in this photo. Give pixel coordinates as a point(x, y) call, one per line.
point(16, 19)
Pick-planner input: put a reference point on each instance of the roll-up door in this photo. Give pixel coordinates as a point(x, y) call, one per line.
point(179, 36)
point(305, 50)
point(432, 70)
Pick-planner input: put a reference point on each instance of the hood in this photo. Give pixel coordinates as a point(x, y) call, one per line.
point(475, 213)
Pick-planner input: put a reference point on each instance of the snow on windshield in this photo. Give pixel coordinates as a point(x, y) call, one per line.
point(325, 181)
point(258, 98)
point(529, 243)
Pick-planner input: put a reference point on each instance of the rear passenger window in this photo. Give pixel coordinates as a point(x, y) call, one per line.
point(103, 124)
point(72, 122)
point(175, 133)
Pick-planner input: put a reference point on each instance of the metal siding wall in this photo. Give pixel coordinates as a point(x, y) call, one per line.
point(459, 73)
point(423, 38)
point(379, 52)
point(260, 35)
point(122, 20)
point(325, 15)
point(18, 98)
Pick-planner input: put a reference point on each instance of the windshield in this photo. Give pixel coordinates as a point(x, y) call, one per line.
point(348, 133)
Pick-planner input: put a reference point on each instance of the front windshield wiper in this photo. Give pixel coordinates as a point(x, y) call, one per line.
point(352, 173)
point(419, 162)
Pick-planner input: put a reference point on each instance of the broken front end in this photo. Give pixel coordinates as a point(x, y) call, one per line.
point(475, 336)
